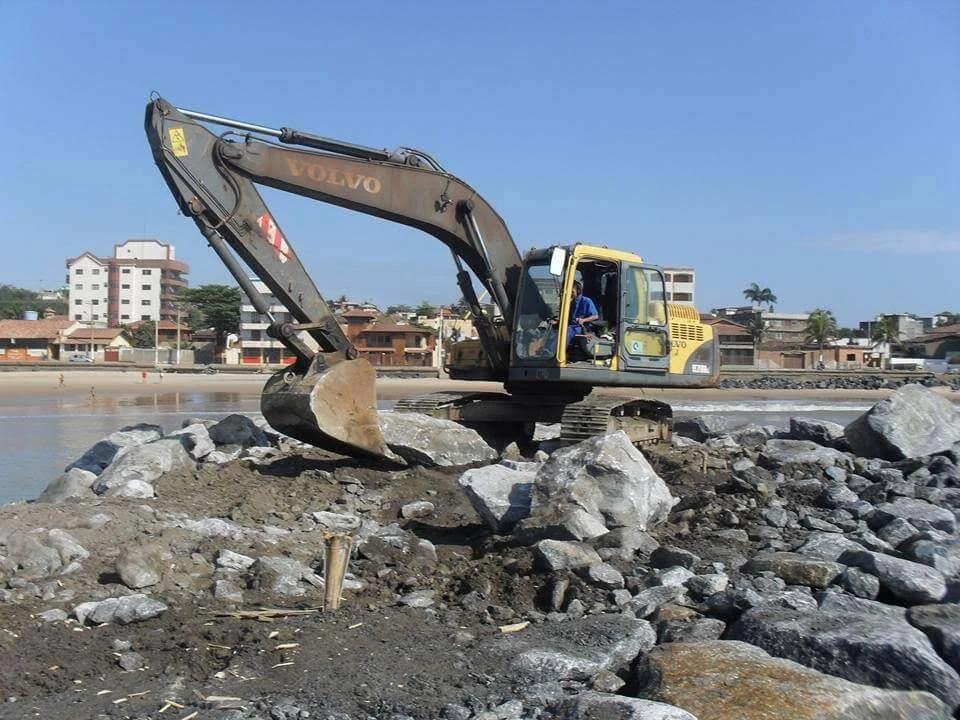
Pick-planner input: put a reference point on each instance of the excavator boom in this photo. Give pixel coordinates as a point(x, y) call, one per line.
point(327, 397)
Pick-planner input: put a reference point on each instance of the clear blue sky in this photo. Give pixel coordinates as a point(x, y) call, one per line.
point(811, 147)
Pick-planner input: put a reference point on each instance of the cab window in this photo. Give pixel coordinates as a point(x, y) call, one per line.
point(645, 312)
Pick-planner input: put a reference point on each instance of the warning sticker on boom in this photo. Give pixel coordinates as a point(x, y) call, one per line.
point(273, 236)
point(178, 142)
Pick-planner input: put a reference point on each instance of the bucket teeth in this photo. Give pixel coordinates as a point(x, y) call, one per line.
point(333, 407)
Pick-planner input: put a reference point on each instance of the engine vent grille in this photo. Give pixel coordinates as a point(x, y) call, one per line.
point(683, 331)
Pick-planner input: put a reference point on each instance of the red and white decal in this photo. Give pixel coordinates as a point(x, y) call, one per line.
point(273, 235)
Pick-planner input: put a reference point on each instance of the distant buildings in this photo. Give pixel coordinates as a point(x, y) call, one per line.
point(681, 285)
point(256, 347)
point(139, 282)
point(783, 327)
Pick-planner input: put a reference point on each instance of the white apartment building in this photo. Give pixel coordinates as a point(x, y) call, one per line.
point(139, 282)
point(256, 347)
point(681, 284)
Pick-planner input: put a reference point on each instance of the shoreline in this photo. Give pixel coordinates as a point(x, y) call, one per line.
point(80, 383)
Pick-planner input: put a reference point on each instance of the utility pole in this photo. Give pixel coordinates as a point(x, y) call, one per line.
point(156, 343)
point(178, 334)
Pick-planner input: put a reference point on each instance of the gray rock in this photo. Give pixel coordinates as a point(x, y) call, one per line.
point(910, 582)
point(777, 454)
point(674, 576)
point(837, 496)
point(604, 642)
point(701, 428)
point(633, 540)
point(131, 661)
point(896, 532)
point(667, 556)
point(919, 513)
point(605, 576)
point(822, 432)
point(234, 561)
point(871, 649)
point(420, 509)
point(426, 440)
point(727, 680)
point(601, 705)
point(120, 610)
point(827, 546)
point(858, 583)
point(564, 555)
point(53, 615)
point(750, 435)
point(500, 495)
point(696, 630)
point(223, 454)
point(98, 457)
point(280, 575)
point(943, 555)
point(140, 566)
point(646, 602)
point(237, 430)
point(66, 546)
point(941, 623)
point(227, 591)
point(418, 599)
point(703, 586)
point(913, 422)
point(839, 602)
point(141, 465)
point(603, 482)
point(196, 440)
point(795, 568)
point(31, 557)
point(74, 483)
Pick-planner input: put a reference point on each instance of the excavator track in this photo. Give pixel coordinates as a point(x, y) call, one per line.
point(644, 421)
point(430, 403)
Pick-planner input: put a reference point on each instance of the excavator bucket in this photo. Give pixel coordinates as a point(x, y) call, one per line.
point(333, 407)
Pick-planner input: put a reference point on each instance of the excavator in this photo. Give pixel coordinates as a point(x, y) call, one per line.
point(327, 397)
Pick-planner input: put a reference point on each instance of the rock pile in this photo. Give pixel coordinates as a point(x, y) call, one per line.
point(741, 573)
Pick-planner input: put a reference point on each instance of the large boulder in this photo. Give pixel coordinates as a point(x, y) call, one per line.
point(120, 610)
point(74, 483)
point(728, 680)
point(776, 454)
point(941, 623)
point(913, 422)
point(196, 440)
point(795, 569)
point(596, 485)
point(822, 432)
point(919, 513)
point(875, 649)
point(237, 430)
point(499, 494)
point(100, 455)
point(592, 705)
point(909, 582)
point(702, 427)
point(426, 440)
point(135, 469)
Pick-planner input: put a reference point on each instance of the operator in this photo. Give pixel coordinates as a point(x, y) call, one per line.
point(583, 312)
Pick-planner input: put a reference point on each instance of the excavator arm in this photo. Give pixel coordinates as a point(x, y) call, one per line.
point(327, 398)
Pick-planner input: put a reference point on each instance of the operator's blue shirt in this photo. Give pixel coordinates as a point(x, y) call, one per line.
point(582, 307)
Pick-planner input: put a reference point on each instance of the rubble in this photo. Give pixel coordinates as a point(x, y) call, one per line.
point(426, 440)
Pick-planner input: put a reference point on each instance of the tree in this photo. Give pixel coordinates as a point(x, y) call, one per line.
point(143, 335)
point(821, 326)
point(885, 331)
point(399, 309)
point(758, 295)
point(948, 318)
point(14, 301)
point(425, 308)
point(757, 329)
point(214, 306)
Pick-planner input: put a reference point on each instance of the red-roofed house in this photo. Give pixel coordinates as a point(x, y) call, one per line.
point(396, 344)
point(103, 343)
point(27, 340)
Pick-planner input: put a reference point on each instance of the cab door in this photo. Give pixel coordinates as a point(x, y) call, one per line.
point(644, 325)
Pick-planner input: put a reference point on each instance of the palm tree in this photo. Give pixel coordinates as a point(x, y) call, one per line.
point(758, 295)
point(886, 331)
point(757, 329)
point(767, 296)
point(821, 326)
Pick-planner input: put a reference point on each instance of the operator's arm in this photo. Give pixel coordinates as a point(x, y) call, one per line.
point(591, 312)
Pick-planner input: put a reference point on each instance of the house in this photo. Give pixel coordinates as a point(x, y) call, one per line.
point(30, 340)
point(941, 343)
point(784, 327)
point(355, 320)
point(780, 355)
point(166, 333)
point(734, 342)
point(396, 344)
point(102, 343)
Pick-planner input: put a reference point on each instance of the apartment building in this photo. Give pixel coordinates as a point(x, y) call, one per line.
point(140, 281)
point(256, 347)
point(681, 284)
point(780, 327)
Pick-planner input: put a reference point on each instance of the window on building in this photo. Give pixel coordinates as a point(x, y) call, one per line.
point(95, 286)
point(124, 302)
point(124, 317)
point(125, 286)
point(146, 287)
point(682, 297)
point(683, 278)
point(144, 302)
point(379, 340)
point(125, 271)
point(254, 334)
point(78, 301)
point(145, 317)
point(95, 271)
point(78, 316)
point(851, 357)
point(78, 271)
point(78, 286)
point(94, 302)
point(669, 296)
point(148, 271)
point(96, 317)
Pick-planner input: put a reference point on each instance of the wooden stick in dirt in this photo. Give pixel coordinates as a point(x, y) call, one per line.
point(335, 559)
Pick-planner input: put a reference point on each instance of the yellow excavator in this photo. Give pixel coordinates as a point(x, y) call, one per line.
point(548, 359)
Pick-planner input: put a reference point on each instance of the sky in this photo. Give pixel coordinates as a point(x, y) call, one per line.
point(811, 147)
